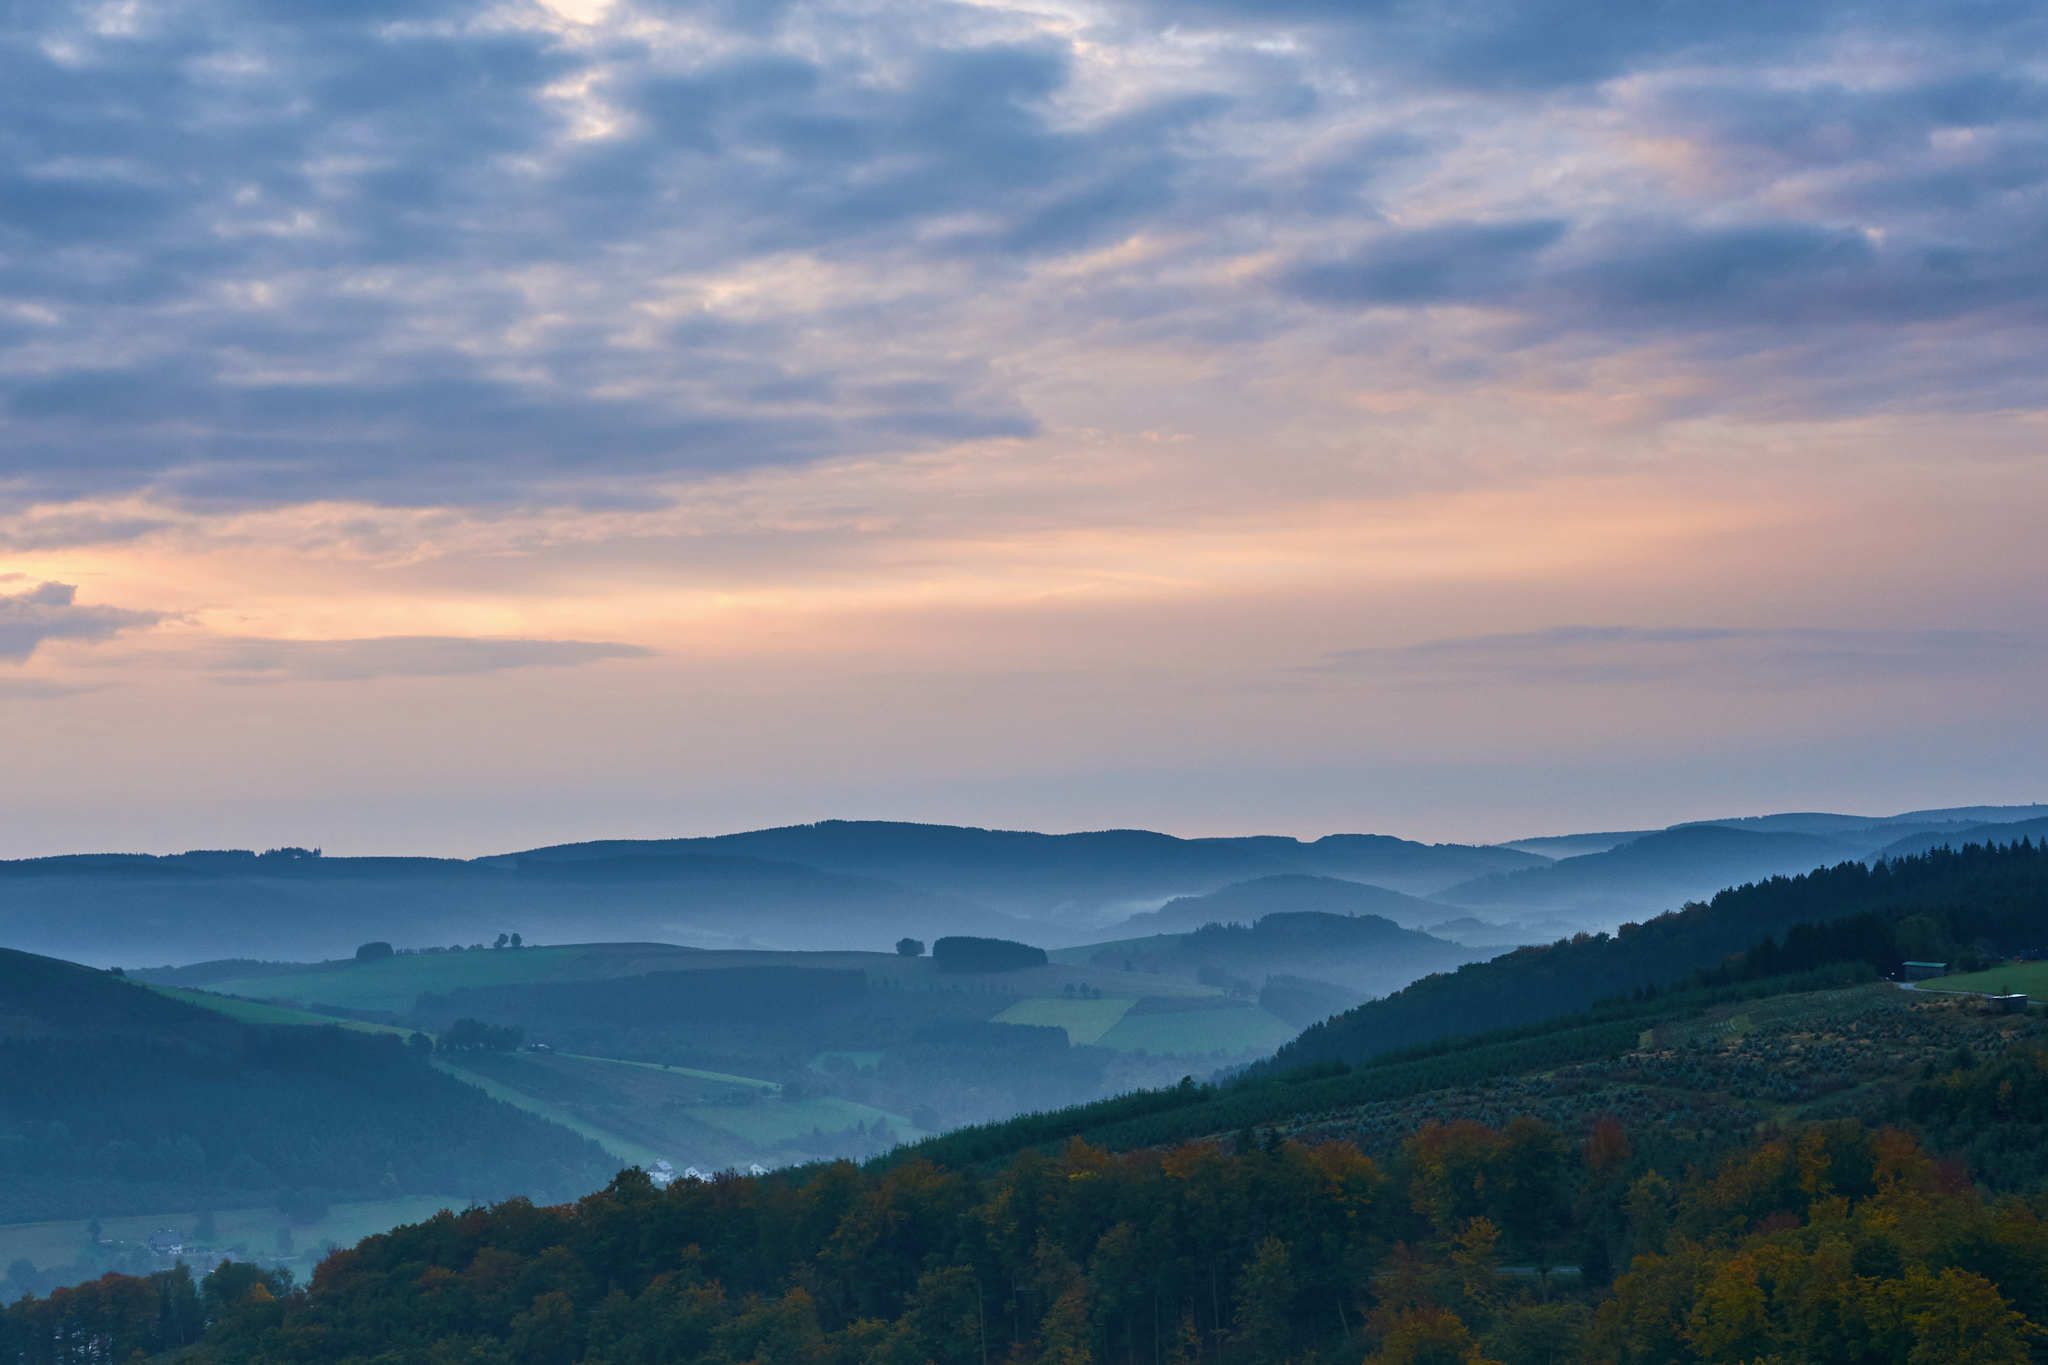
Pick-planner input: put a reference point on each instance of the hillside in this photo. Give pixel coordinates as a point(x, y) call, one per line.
point(190, 907)
point(1652, 873)
point(119, 1099)
point(1993, 895)
point(1360, 955)
point(1515, 1200)
point(851, 885)
point(720, 1058)
point(1246, 902)
point(2001, 832)
point(1068, 876)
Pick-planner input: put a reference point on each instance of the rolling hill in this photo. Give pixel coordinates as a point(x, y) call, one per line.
point(765, 1057)
point(1600, 1190)
point(1067, 877)
point(120, 1099)
point(1363, 955)
point(1982, 894)
point(1246, 902)
point(1652, 873)
point(129, 910)
point(2001, 832)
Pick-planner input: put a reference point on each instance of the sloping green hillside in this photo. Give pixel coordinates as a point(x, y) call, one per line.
point(1941, 899)
point(115, 1098)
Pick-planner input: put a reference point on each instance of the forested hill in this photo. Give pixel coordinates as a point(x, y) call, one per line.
point(1033, 873)
point(1889, 1211)
point(116, 1099)
point(1249, 902)
point(1936, 905)
point(1665, 868)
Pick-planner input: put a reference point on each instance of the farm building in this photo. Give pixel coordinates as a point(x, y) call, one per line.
point(1922, 971)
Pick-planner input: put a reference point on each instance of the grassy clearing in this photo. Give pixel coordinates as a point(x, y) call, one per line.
point(2013, 978)
point(255, 1230)
point(1233, 1031)
point(262, 1012)
point(1084, 1020)
point(393, 984)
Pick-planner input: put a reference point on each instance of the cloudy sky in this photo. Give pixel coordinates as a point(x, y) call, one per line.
point(442, 427)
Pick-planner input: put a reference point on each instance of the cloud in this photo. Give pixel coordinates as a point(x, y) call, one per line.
point(1453, 263)
point(465, 255)
point(41, 689)
point(398, 656)
point(63, 530)
point(50, 611)
point(1543, 46)
point(1711, 655)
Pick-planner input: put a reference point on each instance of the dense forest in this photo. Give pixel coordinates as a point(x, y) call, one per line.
point(1470, 1243)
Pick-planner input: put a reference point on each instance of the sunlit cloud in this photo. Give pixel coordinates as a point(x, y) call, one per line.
point(1717, 656)
point(399, 656)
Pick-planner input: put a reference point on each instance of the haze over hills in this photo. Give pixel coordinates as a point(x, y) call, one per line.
point(1666, 869)
point(184, 908)
point(1361, 954)
point(1921, 842)
point(862, 884)
point(1246, 902)
point(1933, 906)
point(1662, 869)
point(1071, 877)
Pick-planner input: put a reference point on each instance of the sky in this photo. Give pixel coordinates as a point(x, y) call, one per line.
point(448, 427)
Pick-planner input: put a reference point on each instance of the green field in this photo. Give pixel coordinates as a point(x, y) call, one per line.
point(393, 984)
point(262, 1012)
point(1232, 1030)
point(2014, 978)
point(1084, 1020)
point(255, 1230)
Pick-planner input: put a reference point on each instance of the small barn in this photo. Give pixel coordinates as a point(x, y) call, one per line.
point(1922, 971)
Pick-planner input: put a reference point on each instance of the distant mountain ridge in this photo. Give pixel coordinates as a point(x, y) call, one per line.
point(1667, 868)
point(1028, 872)
point(844, 884)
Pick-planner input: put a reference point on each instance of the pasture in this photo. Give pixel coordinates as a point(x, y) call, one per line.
point(1084, 1020)
point(2011, 978)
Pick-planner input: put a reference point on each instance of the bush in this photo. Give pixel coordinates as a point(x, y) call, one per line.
point(373, 952)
